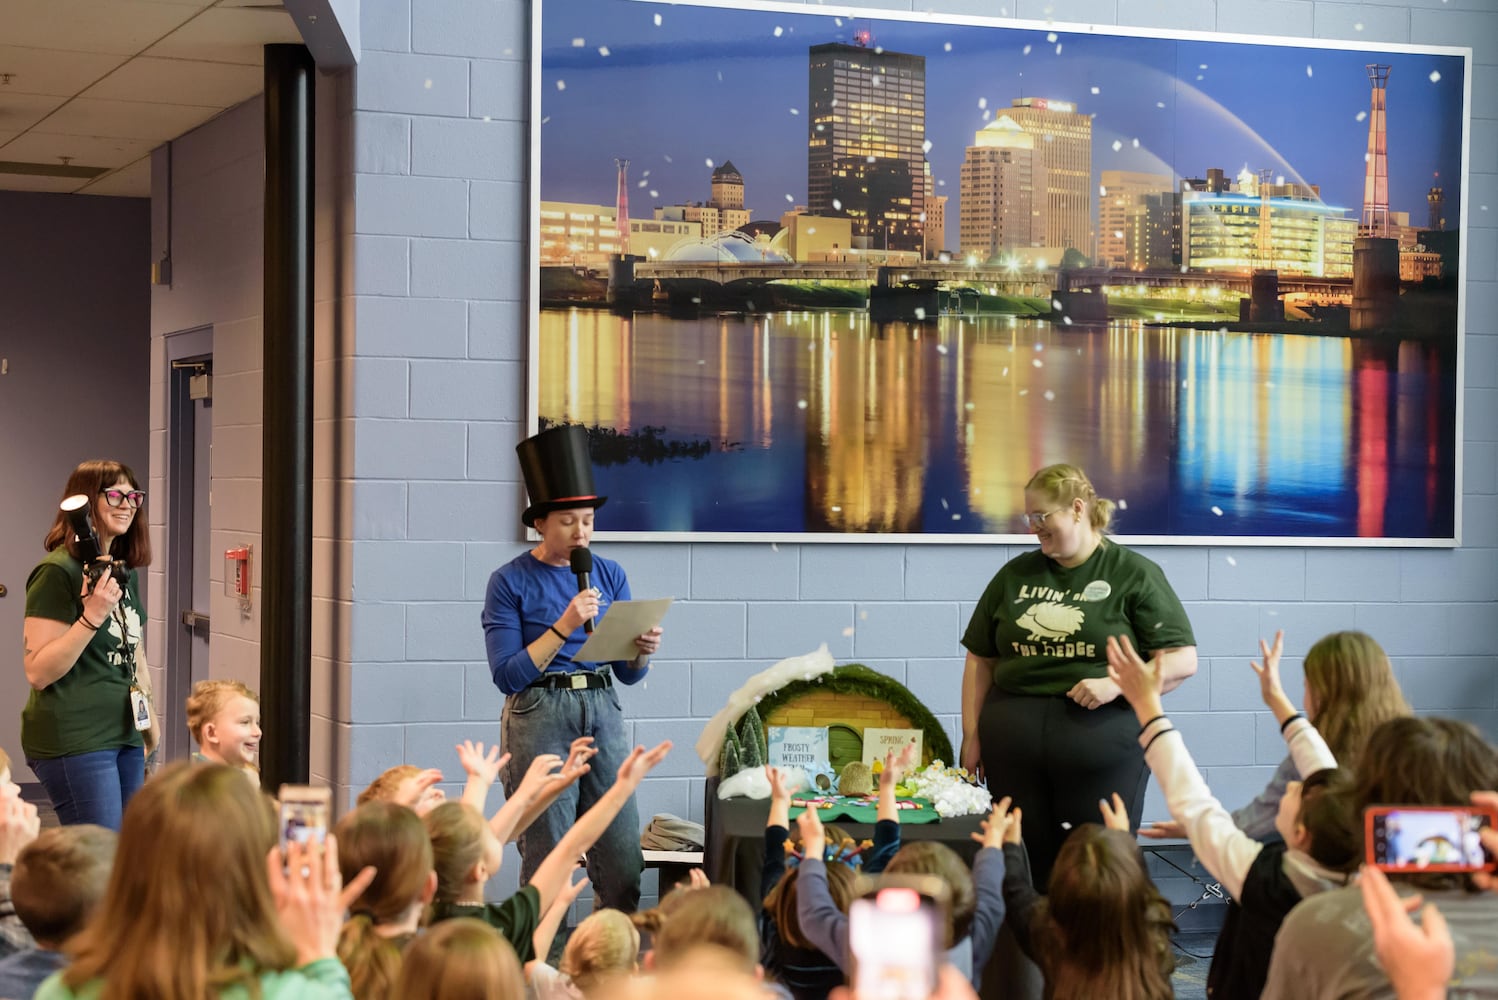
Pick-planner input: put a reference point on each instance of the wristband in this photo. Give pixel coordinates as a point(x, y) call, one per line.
point(1150, 723)
point(1286, 724)
point(556, 632)
point(88, 624)
point(1156, 737)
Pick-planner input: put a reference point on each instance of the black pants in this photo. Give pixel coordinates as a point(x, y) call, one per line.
point(1057, 759)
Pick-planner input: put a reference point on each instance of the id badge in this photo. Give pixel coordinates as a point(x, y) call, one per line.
point(140, 709)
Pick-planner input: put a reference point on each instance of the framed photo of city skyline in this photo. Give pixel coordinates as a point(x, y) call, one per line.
point(824, 274)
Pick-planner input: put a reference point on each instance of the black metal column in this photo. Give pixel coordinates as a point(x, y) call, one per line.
point(286, 526)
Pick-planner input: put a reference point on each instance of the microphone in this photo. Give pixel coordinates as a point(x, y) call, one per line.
point(582, 565)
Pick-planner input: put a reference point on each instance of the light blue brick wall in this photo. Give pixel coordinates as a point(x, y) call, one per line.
point(440, 146)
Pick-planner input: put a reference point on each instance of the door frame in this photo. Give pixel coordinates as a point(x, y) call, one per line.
point(183, 346)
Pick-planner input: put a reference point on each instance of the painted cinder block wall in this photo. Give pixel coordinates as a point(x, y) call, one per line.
point(440, 138)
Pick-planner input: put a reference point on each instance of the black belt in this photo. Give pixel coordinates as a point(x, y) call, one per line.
point(574, 681)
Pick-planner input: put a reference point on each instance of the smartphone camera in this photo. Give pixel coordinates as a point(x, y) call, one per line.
point(1411, 839)
point(896, 936)
point(304, 816)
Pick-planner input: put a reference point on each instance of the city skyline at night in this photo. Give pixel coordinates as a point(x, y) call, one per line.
point(680, 89)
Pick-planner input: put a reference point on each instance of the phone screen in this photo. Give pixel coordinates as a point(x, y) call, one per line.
point(1406, 839)
point(895, 936)
point(304, 814)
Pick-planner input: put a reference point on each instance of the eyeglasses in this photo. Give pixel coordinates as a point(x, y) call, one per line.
point(1037, 521)
point(132, 498)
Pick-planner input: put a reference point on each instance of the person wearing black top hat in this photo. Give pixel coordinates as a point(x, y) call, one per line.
point(534, 622)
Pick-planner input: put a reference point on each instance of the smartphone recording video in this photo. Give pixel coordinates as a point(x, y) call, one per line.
point(897, 934)
point(1427, 839)
point(305, 812)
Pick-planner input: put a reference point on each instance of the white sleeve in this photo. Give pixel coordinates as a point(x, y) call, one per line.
point(546, 983)
point(1307, 748)
point(1223, 849)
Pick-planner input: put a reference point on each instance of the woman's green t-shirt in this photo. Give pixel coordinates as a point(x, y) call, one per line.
point(87, 708)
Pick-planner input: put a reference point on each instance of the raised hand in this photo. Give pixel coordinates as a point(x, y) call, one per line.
point(579, 753)
point(310, 896)
point(995, 826)
point(1139, 681)
point(481, 766)
point(540, 773)
point(1270, 688)
point(1013, 834)
point(641, 762)
point(813, 834)
point(19, 823)
point(417, 792)
point(1115, 816)
point(697, 879)
point(778, 791)
point(897, 766)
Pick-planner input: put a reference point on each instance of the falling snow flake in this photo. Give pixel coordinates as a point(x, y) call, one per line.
point(1435, 76)
point(1217, 510)
point(578, 43)
point(1117, 145)
point(561, 84)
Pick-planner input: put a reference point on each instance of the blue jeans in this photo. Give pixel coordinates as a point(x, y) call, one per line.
point(92, 787)
point(541, 720)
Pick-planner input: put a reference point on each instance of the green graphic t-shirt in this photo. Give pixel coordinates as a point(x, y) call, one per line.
point(1047, 625)
point(87, 708)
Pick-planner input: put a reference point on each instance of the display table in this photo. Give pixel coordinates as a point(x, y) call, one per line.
point(736, 839)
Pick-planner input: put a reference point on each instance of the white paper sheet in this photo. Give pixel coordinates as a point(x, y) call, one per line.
point(614, 635)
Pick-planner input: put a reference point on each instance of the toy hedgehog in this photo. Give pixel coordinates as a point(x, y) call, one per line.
point(856, 780)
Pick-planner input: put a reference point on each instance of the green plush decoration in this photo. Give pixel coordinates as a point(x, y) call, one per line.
point(844, 746)
point(729, 759)
point(753, 750)
point(855, 678)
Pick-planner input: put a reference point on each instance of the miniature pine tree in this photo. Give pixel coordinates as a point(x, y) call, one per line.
point(752, 748)
point(729, 760)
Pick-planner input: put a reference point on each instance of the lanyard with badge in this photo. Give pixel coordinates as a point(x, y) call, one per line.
point(140, 702)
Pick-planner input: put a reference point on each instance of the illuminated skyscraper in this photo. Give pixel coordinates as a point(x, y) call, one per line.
point(1063, 138)
point(1001, 193)
point(865, 145)
point(934, 228)
point(1119, 198)
point(1376, 167)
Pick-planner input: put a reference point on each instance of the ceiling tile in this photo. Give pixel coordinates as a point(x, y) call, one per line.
point(122, 26)
point(53, 71)
point(31, 182)
point(19, 112)
point(219, 84)
point(81, 150)
point(133, 181)
point(228, 34)
point(126, 119)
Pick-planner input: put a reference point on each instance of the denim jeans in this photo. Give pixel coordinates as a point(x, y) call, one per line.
point(542, 720)
point(92, 787)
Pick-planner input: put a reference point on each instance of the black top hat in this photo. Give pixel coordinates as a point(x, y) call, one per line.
point(558, 474)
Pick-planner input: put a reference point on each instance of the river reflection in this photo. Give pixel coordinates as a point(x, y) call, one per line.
point(824, 422)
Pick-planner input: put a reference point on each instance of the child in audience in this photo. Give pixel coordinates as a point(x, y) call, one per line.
point(201, 902)
point(57, 882)
point(18, 827)
point(457, 832)
point(1350, 690)
point(406, 785)
point(1325, 948)
point(224, 719)
point(600, 952)
point(461, 958)
point(1103, 929)
point(392, 840)
point(1318, 838)
point(785, 951)
point(977, 896)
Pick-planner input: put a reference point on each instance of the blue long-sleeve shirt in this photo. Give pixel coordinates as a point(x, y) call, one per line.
point(525, 597)
point(827, 927)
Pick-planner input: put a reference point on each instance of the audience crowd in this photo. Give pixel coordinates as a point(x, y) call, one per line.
point(196, 896)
